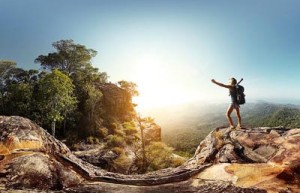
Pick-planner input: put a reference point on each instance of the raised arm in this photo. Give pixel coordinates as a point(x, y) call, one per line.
point(220, 84)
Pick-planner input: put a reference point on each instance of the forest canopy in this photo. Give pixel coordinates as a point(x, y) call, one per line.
point(61, 93)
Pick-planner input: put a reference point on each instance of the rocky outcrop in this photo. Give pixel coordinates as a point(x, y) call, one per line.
point(116, 101)
point(29, 157)
point(266, 158)
point(246, 160)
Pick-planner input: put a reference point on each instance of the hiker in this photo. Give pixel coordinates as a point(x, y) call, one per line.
point(234, 103)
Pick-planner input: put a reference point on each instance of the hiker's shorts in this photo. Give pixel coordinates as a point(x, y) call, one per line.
point(235, 105)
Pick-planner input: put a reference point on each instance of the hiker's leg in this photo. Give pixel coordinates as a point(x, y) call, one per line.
point(228, 113)
point(237, 110)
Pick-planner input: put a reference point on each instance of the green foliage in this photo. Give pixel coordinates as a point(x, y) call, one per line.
point(16, 88)
point(118, 150)
point(187, 139)
point(93, 110)
point(102, 132)
point(69, 57)
point(67, 92)
point(130, 87)
point(122, 163)
point(55, 95)
point(93, 100)
point(149, 120)
point(273, 115)
point(183, 154)
point(130, 128)
point(115, 141)
point(113, 126)
point(119, 132)
point(93, 140)
point(159, 156)
point(6, 67)
point(19, 98)
point(74, 60)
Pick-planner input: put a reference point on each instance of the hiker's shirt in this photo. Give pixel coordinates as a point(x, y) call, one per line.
point(233, 96)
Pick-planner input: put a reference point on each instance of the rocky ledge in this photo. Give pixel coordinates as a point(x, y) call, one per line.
point(244, 160)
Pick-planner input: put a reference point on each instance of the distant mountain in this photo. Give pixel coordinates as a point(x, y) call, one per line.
point(184, 126)
point(265, 114)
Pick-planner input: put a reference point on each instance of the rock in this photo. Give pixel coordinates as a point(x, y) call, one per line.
point(246, 160)
point(28, 159)
point(38, 171)
point(96, 155)
point(260, 157)
point(116, 101)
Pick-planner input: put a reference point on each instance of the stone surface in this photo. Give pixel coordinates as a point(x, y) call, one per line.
point(116, 101)
point(246, 160)
point(266, 158)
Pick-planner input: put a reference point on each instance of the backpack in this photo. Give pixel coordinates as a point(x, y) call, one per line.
point(240, 94)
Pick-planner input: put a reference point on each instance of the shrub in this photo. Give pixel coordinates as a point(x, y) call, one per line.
point(130, 131)
point(102, 132)
point(129, 128)
point(122, 164)
point(92, 140)
point(115, 141)
point(149, 120)
point(113, 126)
point(119, 132)
point(118, 150)
point(159, 156)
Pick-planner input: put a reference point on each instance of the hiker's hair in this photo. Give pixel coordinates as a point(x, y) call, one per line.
point(233, 81)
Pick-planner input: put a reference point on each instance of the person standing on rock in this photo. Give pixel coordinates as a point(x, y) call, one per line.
point(234, 104)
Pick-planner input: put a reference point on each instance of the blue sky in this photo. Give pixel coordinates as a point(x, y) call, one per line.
point(171, 49)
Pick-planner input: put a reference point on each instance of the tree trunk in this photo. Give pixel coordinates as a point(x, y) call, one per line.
point(53, 128)
point(65, 123)
point(143, 169)
point(2, 109)
point(64, 127)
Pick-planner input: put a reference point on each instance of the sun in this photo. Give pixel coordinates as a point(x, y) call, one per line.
point(158, 83)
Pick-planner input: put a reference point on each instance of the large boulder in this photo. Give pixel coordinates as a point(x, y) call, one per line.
point(28, 157)
point(116, 101)
point(266, 158)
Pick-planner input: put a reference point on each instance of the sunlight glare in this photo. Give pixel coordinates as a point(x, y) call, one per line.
point(157, 83)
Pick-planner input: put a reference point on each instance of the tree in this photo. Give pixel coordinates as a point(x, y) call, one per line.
point(143, 167)
point(130, 87)
point(74, 60)
point(19, 99)
point(5, 67)
point(69, 58)
point(93, 108)
point(56, 98)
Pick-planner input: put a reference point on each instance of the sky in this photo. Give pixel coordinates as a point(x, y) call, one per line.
point(170, 48)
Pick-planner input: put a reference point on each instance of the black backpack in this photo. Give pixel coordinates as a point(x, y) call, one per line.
point(240, 94)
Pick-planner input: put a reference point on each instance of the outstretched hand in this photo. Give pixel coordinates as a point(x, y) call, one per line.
point(213, 81)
